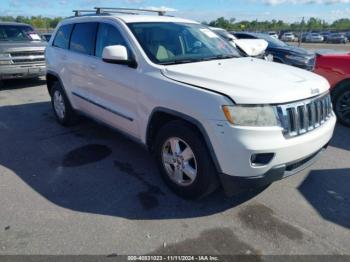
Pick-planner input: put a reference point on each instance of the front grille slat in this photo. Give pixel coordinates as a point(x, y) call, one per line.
point(305, 116)
point(27, 53)
point(27, 57)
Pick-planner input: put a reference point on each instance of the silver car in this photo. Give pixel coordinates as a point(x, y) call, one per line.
point(21, 52)
point(314, 38)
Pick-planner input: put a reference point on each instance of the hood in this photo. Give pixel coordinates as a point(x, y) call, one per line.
point(20, 46)
point(252, 47)
point(249, 80)
point(293, 49)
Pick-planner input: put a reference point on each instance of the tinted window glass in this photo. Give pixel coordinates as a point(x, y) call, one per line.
point(16, 33)
point(83, 38)
point(62, 36)
point(174, 43)
point(107, 35)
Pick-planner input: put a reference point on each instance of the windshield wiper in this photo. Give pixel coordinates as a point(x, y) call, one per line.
point(184, 61)
point(181, 61)
point(219, 57)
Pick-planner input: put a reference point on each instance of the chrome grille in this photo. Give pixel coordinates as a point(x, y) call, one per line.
point(25, 57)
point(301, 117)
point(27, 53)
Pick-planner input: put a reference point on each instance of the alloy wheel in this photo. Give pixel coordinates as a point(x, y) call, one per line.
point(179, 161)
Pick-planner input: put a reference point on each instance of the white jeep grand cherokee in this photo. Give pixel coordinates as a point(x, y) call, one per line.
point(209, 116)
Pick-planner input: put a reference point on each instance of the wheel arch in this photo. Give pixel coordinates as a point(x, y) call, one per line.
point(51, 78)
point(161, 116)
point(344, 82)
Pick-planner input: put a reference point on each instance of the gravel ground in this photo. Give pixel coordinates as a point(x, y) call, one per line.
point(326, 48)
point(89, 190)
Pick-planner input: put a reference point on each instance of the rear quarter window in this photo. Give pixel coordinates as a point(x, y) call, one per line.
point(62, 36)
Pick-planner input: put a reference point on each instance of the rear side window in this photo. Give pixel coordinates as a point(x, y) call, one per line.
point(83, 38)
point(62, 36)
point(107, 35)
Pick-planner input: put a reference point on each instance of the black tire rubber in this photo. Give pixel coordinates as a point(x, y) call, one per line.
point(207, 180)
point(70, 117)
point(1, 84)
point(339, 90)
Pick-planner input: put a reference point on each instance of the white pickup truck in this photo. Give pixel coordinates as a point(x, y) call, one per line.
point(210, 116)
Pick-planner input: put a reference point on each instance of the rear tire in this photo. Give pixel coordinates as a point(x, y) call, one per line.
point(341, 102)
point(61, 106)
point(184, 160)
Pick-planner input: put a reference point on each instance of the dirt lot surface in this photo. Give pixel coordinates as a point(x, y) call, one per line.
point(326, 48)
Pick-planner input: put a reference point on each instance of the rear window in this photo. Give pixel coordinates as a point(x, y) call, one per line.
point(62, 36)
point(17, 33)
point(83, 38)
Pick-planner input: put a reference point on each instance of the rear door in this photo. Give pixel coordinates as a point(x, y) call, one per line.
point(80, 62)
point(57, 56)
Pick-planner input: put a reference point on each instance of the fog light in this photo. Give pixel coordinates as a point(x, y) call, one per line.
point(261, 159)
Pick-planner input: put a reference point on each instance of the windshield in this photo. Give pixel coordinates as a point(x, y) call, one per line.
point(273, 42)
point(174, 43)
point(17, 33)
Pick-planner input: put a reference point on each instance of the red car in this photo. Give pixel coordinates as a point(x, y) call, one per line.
point(336, 69)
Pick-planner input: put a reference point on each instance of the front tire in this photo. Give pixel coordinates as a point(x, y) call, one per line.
point(184, 160)
point(61, 106)
point(341, 102)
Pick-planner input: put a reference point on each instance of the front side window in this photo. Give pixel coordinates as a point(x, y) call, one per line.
point(107, 35)
point(17, 33)
point(174, 43)
point(83, 38)
point(62, 36)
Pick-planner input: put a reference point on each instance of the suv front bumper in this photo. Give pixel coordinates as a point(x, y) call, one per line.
point(22, 71)
point(233, 184)
point(235, 146)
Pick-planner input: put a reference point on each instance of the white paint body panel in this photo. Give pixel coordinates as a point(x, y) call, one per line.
point(252, 47)
point(249, 80)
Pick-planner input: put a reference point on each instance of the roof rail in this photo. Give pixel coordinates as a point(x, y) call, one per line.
point(78, 12)
point(100, 10)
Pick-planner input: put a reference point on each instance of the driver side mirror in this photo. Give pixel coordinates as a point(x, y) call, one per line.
point(117, 54)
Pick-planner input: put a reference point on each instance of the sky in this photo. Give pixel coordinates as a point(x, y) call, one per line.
point(200, 10)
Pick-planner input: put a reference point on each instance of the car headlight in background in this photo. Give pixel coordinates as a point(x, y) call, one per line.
point(5, 59)
point(299, 59)
point(259, 115)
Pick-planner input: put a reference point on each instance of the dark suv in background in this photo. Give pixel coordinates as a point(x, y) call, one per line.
point(21, 52)
point(282, 52)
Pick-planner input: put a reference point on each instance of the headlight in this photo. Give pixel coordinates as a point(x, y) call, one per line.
point(5, 59)
point(262, 116)
point(300, 59)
